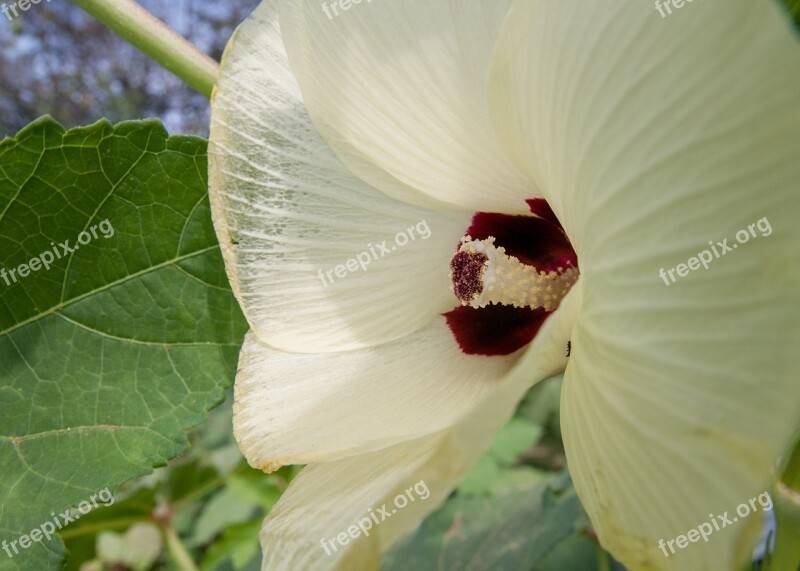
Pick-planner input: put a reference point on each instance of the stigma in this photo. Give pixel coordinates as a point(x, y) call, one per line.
point(483, 274)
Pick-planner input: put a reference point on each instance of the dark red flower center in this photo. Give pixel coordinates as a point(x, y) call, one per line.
point(510, 272)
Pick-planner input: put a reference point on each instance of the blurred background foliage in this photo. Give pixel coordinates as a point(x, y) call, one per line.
point(515, 511)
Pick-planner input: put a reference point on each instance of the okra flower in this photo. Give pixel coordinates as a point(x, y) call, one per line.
point(650, 138)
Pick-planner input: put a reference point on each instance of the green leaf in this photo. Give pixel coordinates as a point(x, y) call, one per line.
point(495, 472)
point(794, 8)
point(223, 510)
point(542, 403)
point(511, 478)
point(512, 532)
point(261, 489)
point(478, 480)
point(112, 352)
point(514, 439)
point(576, 553)
point(189, 481)
point(239, 545)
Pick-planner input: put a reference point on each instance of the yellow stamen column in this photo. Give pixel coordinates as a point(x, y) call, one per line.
point(505, 280)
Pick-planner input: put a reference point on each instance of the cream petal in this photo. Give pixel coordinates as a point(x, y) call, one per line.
point(327, 498)
point(650, 137)
point(290, 217)
point(299, 408)
point(398, 89)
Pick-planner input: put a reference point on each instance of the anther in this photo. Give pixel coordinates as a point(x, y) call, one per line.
point(483, 274)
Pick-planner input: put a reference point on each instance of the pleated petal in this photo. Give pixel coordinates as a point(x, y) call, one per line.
point(319, 260)
point(398, 89)
point(655, 140)
point(298, 408)
point(326, 499)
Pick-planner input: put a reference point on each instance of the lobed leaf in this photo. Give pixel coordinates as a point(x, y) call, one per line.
point(111, 352)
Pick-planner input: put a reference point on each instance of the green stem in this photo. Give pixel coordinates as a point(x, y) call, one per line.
point(149, 34)
point(603, 561)
point(105, 525)
point(177, 549)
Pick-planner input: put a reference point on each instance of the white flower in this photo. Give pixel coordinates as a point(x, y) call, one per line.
point(649, 137)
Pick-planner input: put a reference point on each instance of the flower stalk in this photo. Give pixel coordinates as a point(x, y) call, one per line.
point(150, 35)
